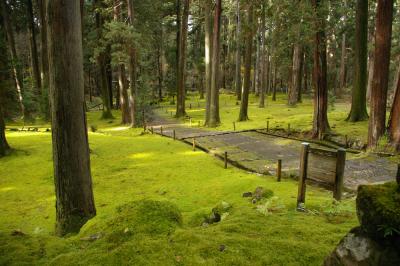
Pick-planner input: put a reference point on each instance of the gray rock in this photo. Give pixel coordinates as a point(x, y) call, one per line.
point(247, 195)
point(356, 248)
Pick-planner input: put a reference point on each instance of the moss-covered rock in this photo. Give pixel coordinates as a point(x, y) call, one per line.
point(378, 210)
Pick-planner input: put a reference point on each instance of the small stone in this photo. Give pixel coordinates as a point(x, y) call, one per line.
point(247, 195)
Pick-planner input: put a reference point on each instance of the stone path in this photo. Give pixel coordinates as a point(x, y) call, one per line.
point(259, 152)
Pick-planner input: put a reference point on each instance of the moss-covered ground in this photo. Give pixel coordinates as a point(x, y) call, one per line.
point(150, 194)
point(277, 112)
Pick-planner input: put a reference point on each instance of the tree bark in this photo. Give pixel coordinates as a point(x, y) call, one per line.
point(380, 81)
point(264, 61)
point(44, 60)
point(295, 86)
point(17, 71)
point(33, 48)
point(132, 70)
point(243, 115)
point(208, 56)
point(238, 74)
point(3, 141)
point(343, 57)
point(214, 106)
point(4, 75)
point(320, 122)
point(359, 100)
point(181, 93)
point(394, 119)
point(73, 181)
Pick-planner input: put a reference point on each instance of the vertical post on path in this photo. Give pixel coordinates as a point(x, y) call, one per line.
point(161, 131)
point(152, 130)
point(340, 163)
point(279, 170)
point(143, 121)
point(174, 134)
point(288, 129)
point(301, 196)
point(268, 125)
point(398, 175)
point(226, 160)
point(194, 144)
point(234, 126)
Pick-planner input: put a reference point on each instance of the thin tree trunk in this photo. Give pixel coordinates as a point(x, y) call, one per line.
point(394, 119)
point(214, 106)
point(181, 93)
point(3, 141)
point(295, 86)
point(320, 124)
point(4, 147)
point(343, 56)
point(243, 115)
point(132, 70)
point(73, 181)
point(44, 60)
point(359, 100)
point(17, 71)
point(33, 48)
point(208, 56)
point(256, 65)
point(380, 81)
point(238, 75)
point(274, 82)
point(264, 61)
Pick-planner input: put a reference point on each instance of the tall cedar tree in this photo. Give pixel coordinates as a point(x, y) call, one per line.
point(320, 123)
point(394, 120)
point(343, 56)
point(238, 55)
point(132, 70)
point(383, 35)
point(359, 100)
point(243, 115)
point(208, 55)
point(181, 93)
point(264, 64)
point(73, 181)
point(33, 48)
point(214, 104)
point(3, 77)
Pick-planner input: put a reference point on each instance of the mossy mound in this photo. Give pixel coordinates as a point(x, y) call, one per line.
point(378, 210)
point(140, 217)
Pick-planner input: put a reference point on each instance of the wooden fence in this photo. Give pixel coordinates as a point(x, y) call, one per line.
point(323, 166)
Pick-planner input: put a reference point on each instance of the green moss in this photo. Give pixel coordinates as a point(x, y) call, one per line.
point(378, 209)
point(151, 178)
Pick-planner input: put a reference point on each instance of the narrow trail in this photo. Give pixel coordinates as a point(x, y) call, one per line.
point(257, 152)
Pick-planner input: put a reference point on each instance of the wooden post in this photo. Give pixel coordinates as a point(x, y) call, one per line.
point(340, 163)
point(194, 144)
point(174, 134)
point(288, 129)
point(161, 131)
point(226, 160)
point(190, 106)
point(279, 170)
point(267, 125)
point(152, 130)
point(234, 126)
point(346, 141)
point(301, 196)
point(190, 121)
point(199, 123)
point(171, 114)
point(143, 121)
point(398, 174)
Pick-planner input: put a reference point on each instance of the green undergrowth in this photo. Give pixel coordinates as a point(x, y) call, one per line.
point(278, 113)
point(149, 193)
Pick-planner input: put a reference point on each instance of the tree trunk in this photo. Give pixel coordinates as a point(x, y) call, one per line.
point(214, 106)
point(17, 71)
point(256, 65)
point(264, 62)
point(208, 56)
point(359, 100)
point(370, 63)
point(295, 86)
point(238, 75)
point(320, 123)
point(343, 56)
point(274, 82)
point(3, 141)
point(3, 77)
point(44, 60)
point(132, 70)
point(33, 48)
point(73, 181)
point(243, 115)
point(394, 119)
point(379, 87)
point(181, 93)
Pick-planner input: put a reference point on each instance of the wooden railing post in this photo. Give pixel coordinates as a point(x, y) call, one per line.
point(234, 126)
point(194, 144)
point(301, 196)
point(279, 170)
point(267, 125)
point(174, 134)
point(340, 164)
point(226, 160)
point(161, 131)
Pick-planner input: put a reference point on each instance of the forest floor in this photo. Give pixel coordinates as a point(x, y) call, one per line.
point(256, 150)
point(141, 184)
